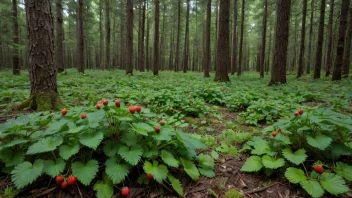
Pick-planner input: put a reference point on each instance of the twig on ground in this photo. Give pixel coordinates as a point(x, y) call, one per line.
point(260, 189)
point(79, 191)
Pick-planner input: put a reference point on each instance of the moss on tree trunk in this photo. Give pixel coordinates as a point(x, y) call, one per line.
point(42, 101)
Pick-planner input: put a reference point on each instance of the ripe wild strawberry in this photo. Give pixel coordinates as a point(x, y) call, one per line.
point(64, 185)
point(296, 114)
point(105, 102)
point(83, 116)
point(125, 191)
point(131, 108)
point(318, 168)
point(64, 112)
point(162, 123)
point(97, 106)
point(157, 129)
point(59, 179)
point(279, 130)
point(138, 109)
point(149, 176)
point(300, 111)
point(274, 133)
point(71, 180)
point(117, 103)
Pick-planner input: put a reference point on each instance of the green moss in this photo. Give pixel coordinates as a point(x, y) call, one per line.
point(42, 101)
point(233, 193)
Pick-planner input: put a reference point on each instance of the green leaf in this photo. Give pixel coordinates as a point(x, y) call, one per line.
point(131, 155)
point(26, 173)
point(214, 155)
point(129, 138)
point(116, 171)
point(176, 185)
point(55, 127)
point(110, 148)
point(91, 139)
point(320, 141)
point(85, 173)
point(262, 148)
point(54, 168)
point(313, 188)
point(344, 170)
point(45, 145)
point(142, 128)
point(68, 150)
point(13, 143)
point(295, 175)
point(11, 158)
point(297, 158)
point(252, 164)
point(205, 161)
point(190, 169)
point(164, 134)
point(105, 189)
point(334, 184)
point(207, 172)
point(159, 172)
point(169, 159)
point(272, 163)
point(75, 129)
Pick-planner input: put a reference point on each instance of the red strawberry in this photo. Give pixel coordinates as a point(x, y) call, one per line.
point(105, 102)
point(71, 180)
point(157, 129)
point(131, 108)
point(162, 123)
point(138, 109)
point(296, 114)
point(279, 130)
point(64, 111)
point(97, 106)
point(125, 191)
point(59, 179)
point(274, 133)
point(117, 103)
point(83, 116)
point(149, 176)
point(318, 168)
point(64, 185)
point(300, 111)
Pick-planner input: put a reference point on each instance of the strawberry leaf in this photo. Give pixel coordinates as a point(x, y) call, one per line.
point(104, 188)
point(169, 159)
point(295, 175)
point(272, 163)
point(45, 145)
point(131, 155)
point(116, 171)
point(11, 158)
point(54, 168)
point(205, 161)
point(91, 139)
point(68, 150)
point(85, 173)
point(334, 184)
point(26, 173)
point(297, 158)
point(110, 148)
point(320, 141)
point(313, 188)
point(159, 172)
point(252, 164)
point(176, 185)
point(142, 128)
point(190, 169)
point(344, 170)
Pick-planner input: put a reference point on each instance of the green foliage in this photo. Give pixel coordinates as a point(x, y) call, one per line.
point(233, 193)
point(85, 173)
point(26, 173)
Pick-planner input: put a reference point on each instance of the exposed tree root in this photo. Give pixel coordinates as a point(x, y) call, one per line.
point(41, 101)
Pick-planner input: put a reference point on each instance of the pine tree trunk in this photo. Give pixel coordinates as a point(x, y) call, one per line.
point(15, 53)
point(347, 57)
point(80, 38)
point(147, 42)
point(107, 39)
point(207, 57)
point(281, 42)
point(101, 64)
point(234, 39)
point(129, 36)
point(308, 65)
point(336, 75)
point(162, 41)
point(269, 53)
point(122, 33)
point(328, 60)
point(178, 36)
point(240, 59)
point(141, 63)
point(186, 47)
point(262, 60)
point(139, 57)
point(223, 50)
point(319, 54)
point(303, 35)
point(59, 37)
point(156, 38)
point(216, 32)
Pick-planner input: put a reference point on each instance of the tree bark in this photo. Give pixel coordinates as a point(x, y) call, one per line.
point(336, 75)
point(178, 36)
point(347, 57)
point(303, 35)
point(310, 39)
point(319, 54)
point(141, 63)
point(223, 50)
point(107, 39)
point(206, 58)
point(129, 36)
point(328, 60)
point(147, 42)
point(262, 60)
point(80, 39)
point(101, 64)
point(240, 59)
point(15, 53)
point(186, 48)
point(281, 42)
point(234, 39)
point(122, 33)
point(156, 38)
point(59, 37)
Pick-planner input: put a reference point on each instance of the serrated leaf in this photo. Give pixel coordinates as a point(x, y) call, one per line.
point(262, 148)
point(344, 170)
point(150, 152)
point(13, 143)
point(75, 129)
point(56, 127)
point(190, 169)
point(54, 168)
point(214, 155)
point(85, 173)
point(11, 158)
point(164, 134)
point(297, 158)
point(176, 185)
point(207, 172)
point(313, 188)
point(320, 141)
point(142, 128)
point(129, 138)
point(105, 188)
point(116, 171)
point(45, 145)
point(131, 155)
point(334, 184)
point(26, 173)
point(205, 161)
point(272, 163)
point(110, 148)
point(252, 164)
point(66, 151)
point(169, 159)
point(295, 175)
point(91, 139)
point(159, 172)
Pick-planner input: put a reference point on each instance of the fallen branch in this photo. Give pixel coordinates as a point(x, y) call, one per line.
point(260, 189)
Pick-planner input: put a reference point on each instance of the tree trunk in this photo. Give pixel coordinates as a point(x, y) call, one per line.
point(129, 42)
point(122, 32)
point(336, 75)
point(147, 42)
point(107, 39)
point(223, 50)
point(178, 36)
point(59, 37)
point(101, 64)
point(80, 38)
point(269, 53)
point(162, 41)
point(216, 31)
point(234, 39)
point(15, 53)
point(303, 35)
point(156, 38)
point(186, 47)
point(141, 63)
point(281, 42)
point(328, 60)
point(317, 68)
point(347, 57)
point(42, 71)
point(240, 59)
point(262, 60)
point(206, 58)
point(310, 39)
